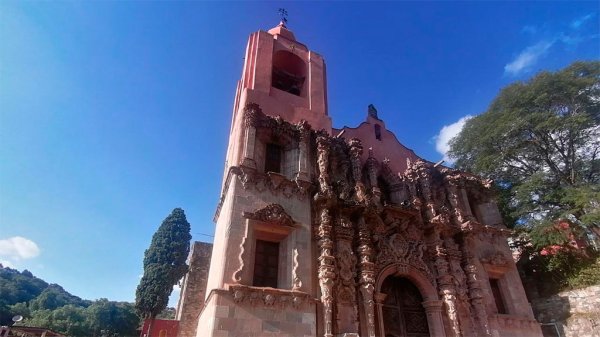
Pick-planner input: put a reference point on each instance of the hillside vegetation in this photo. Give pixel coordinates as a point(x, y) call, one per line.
point(50, 306)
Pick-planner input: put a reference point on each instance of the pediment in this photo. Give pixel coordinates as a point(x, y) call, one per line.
point(273, 214)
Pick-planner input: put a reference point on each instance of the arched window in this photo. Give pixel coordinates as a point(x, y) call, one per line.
point(289, 72)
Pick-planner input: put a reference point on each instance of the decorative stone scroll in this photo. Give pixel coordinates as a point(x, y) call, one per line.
point(296, 281)
point(273, 214)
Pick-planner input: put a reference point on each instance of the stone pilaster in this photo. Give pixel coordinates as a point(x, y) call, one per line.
point(367, 275)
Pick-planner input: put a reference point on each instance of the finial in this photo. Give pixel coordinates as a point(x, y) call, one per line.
point(372, 111)
point(371, 152)
point(283, 14)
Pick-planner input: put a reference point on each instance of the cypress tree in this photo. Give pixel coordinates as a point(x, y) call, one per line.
point(164, 265)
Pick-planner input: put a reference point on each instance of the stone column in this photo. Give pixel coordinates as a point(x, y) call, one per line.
point(372, 171)
point(455, 196)
point(446, 287)
point(367, 274)
point(424, 181)
point(346, 313)
point(433, 310)
point(323, 146)
point(454, 257)
point(326, 270)
point(303, 154)
point(475, 287)
point(356, 151)
point(251, 114)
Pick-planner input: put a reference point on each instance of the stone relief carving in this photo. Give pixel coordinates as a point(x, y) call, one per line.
point(347, 312)
point(273, 214)
point(323, 165)
point(252, 113)
point(237, 275)
point(269, 297)
point(367, 274)
point(297, 282)
point(366, 218)
point(326, 270)
point(275, 183)
point(476, 296)
point(495, 259)
point(397, 250)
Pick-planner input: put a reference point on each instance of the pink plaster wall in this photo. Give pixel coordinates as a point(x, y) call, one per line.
point(387, 147)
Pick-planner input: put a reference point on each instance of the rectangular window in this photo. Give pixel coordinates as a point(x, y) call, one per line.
point(273, 158)
point(266, 263)
point(377, 131)
point(497, 293)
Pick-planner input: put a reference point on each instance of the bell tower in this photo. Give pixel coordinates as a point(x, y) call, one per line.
point(260, 278)
point(285, 78)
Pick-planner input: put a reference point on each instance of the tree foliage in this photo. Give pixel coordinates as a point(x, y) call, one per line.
point(50, 306)
point(164, 264)
point(540, 141)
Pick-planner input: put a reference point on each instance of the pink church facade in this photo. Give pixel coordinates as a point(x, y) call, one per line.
point(342, 232)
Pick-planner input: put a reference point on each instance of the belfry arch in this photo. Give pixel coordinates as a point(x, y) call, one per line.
point(413, 281)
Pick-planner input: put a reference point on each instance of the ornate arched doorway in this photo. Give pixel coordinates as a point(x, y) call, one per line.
point(403, 314)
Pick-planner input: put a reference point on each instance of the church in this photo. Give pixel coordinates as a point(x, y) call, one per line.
point(342, 232)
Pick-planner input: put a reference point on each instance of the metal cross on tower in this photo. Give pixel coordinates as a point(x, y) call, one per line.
point(283, 14)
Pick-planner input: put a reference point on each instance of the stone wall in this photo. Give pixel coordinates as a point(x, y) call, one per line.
point(574, 313)
point(258, 312)
point(193, 290)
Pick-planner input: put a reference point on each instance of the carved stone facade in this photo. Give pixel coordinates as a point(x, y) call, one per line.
point(362, 237)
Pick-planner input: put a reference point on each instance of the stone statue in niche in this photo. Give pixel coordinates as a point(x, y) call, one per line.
point(347, 263)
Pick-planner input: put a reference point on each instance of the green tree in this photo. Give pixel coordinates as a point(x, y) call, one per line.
point(106, 317)
point(20, 308)
point(164, 264)
point(70, 320)
point(54, 296)
point(540, 141)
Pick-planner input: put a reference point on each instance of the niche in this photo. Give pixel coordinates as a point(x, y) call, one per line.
point(289, 72)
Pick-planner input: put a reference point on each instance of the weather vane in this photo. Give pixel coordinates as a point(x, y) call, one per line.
point(283, 14)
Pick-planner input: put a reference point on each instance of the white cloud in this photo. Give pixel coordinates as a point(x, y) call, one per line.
point(581, 20)
point(6, 263)
point(18, 248)
point(442, 139)
point(569, 38)
point(527, 58)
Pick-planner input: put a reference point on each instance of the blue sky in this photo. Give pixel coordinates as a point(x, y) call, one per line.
point(114, 113)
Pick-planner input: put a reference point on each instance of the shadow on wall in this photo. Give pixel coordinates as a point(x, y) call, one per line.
point(552, 313)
